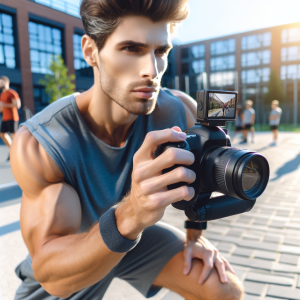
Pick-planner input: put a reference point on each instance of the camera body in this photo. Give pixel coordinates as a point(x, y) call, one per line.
point(240, 175)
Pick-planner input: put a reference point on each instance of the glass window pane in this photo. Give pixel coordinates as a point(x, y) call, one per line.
point(1, 55)
point(32, 28)
point(48, 35)
point(8, 31)
point(77, 64)
point(7, 21)
point(34, 56)
point(10, 63)
point(41, 33)
point(9, 51)
point(8, 39)
point(56, 34)
point(185, 53)
point(284, 36)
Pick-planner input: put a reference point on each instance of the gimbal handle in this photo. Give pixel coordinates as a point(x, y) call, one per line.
point(217, 208)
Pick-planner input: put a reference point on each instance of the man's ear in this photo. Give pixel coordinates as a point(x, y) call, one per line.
point(89, 50)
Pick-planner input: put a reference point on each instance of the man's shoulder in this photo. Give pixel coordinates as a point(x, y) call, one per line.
point(52, 110)
point(13, 93)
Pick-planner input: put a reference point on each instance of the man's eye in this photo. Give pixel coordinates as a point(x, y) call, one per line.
point(161, 51)
point(131, 49)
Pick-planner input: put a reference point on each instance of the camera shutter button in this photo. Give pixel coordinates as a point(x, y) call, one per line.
point(181, 145)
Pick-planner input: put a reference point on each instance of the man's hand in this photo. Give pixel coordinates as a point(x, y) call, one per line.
point(149, 195)
point(204, 250)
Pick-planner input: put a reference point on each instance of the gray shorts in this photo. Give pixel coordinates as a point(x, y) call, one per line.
point(139, 267)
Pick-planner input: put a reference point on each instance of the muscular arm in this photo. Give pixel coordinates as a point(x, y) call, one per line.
point(63, 262)
point(15, 103)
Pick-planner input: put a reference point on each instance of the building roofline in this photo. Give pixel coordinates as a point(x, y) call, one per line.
point(235, 34)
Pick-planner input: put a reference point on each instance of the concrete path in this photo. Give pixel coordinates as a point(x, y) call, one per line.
point(263, 245)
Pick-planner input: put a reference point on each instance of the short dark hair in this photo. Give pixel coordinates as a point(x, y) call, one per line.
point(101, 17)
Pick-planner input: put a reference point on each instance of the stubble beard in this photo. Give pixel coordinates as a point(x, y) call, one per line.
point(121, 95)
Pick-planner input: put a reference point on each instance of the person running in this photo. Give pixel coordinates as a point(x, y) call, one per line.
point(274, 120)
point(93, 193)
point(248, 121)
point(9, 104)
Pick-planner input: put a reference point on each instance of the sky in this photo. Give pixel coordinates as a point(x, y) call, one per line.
point(215, 18)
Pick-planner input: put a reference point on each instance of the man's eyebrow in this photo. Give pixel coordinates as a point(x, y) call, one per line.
point(143, 45)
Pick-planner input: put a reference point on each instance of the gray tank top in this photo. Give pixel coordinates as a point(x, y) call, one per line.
point(100, 174)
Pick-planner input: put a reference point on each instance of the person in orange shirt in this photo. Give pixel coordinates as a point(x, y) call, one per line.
point(9, 104)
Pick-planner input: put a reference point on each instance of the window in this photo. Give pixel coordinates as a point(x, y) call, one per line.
point(7, 41)
point(41, 99)
point(256, 58)
point(45, 42)
point(222, 63)
point(290, 53)
point(198, 66)
point(221, 79)
point(80, 65)
point(222, 47)
point(185, 53)
point(198, 51)
point(185, 68)
point(256, 41)
point(290, 35)
point(290, 72)
point(255, 75)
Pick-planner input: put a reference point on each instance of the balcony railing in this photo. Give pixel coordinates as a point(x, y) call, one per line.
point(60, 5)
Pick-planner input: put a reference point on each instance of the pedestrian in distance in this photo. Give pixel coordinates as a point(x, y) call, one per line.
point(274, 120)
point(9, 104)
point(223, 108)
point(248, 121)
point(93, 192)
point(238, 122)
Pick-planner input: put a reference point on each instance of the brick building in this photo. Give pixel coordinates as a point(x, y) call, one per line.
point(30, 33)
point(241, 62)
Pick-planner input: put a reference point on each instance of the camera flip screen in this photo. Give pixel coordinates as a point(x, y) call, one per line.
point(221, 105)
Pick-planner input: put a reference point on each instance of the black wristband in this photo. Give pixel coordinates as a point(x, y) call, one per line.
point(195, 225)
point(111, 236)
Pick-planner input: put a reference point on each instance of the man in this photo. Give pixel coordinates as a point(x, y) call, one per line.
point(274, 120)
point(223, 108)
point(9, 104)
point(248, 120)
point(84, 153)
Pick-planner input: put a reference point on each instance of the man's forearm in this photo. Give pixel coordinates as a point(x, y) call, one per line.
point(193, 234)
point(70, 263)
point(8, 105)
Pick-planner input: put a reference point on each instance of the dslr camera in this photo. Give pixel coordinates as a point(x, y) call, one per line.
point(228, 180)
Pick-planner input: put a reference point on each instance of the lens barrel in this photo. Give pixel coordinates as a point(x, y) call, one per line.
point(235, 172)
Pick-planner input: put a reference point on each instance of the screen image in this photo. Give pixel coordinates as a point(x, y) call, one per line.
point(221, 105)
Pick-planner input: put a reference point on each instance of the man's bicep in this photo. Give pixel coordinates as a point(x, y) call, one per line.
point(54, 212)
point(50, 207)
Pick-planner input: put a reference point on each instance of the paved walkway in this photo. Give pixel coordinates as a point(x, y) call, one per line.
point(262, 245)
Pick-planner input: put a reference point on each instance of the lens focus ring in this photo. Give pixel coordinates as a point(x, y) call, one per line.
point(220, 168)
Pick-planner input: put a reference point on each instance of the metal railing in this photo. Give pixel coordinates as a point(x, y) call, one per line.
point(61, 5)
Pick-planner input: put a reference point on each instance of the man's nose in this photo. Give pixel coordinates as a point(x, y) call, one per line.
point(149, 67)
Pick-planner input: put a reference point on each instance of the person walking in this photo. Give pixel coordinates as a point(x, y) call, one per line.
point(238, 121)
point(223, 108)
point(274, 120)
point(248, 120)
point(9, 104)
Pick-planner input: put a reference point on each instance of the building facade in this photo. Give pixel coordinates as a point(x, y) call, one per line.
point(243, 62)
point(30, 35)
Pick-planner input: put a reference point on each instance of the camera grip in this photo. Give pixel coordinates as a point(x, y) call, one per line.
point(217, 208)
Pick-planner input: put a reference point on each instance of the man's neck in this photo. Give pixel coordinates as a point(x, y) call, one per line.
point(106, 119)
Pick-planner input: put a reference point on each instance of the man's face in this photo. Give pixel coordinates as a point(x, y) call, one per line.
point(2, 84)
point(274, 106)
point(248, 106)
point(132, 62)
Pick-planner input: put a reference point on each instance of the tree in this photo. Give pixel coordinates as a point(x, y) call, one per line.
point(275, 90)
point(58, 83)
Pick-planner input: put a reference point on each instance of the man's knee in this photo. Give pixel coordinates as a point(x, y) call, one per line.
point(213, 289)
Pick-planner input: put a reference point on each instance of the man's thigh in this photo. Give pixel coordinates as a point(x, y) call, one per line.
point(172, 277)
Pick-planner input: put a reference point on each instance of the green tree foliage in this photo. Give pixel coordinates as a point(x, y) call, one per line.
point(275, 89)
point(58, 83)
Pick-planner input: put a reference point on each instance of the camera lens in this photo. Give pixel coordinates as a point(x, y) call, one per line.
point(235, 172)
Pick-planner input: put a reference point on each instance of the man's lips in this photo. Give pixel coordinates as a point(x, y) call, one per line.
point(145, 92)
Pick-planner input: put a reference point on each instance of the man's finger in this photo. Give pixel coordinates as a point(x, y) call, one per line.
point(187, 256)
point(220, 266)
point(208, 264)
point(228, 265)
point(155, 138)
